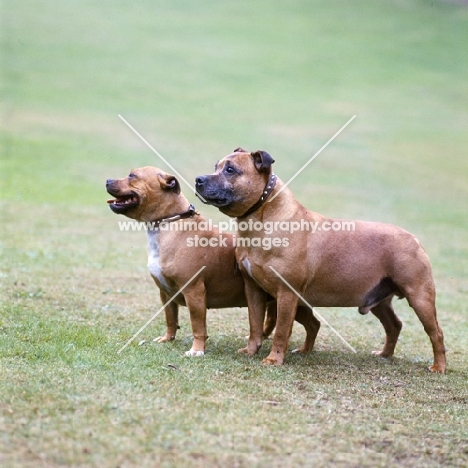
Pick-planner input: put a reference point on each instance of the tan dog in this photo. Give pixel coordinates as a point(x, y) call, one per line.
point(149, 195)
point(329, 268)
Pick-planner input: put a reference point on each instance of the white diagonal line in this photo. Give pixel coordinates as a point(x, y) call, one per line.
point(313, 310)
point(311, 159)
point(163, 159)
point(160, 310)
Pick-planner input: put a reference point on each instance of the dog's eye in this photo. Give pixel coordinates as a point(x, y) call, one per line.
point(131, 175)
point(230, 170)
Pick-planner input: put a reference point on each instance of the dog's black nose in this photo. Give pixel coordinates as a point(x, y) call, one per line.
point(109, 181)
point(200, 180)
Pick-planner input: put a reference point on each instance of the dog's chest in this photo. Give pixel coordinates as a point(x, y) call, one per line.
point(246, 264)
point(250, 266)
point(154, 261)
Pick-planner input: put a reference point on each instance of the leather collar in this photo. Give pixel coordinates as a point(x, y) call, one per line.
point(270, 185)
point(175, 217)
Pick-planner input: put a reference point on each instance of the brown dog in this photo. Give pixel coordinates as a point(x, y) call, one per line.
point(366, 267)
point(149, 195)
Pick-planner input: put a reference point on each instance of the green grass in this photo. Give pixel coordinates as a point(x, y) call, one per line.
point(198, 79)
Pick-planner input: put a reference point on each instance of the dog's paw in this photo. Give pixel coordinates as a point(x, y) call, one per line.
point(193, 353)
point(249, 351)
point(164, 339)
point(304, 349)
point(436, 369)
point(272, 361)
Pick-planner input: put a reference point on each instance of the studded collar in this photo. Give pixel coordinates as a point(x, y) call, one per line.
point(270, 185)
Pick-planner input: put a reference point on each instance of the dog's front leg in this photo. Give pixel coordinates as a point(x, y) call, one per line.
point(172, 319)
point(256, 300)
point(195, 298)
point(286, 306)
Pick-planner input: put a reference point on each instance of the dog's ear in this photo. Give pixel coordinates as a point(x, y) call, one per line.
point(169, 182)
point(262, 161)
point(240, 150)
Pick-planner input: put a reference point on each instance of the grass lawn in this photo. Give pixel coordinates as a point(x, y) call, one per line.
point(198, 79)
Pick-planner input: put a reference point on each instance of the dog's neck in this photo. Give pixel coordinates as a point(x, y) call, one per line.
point(153, 231)
point(190, 212)
point(279, 199)
point(267, 191)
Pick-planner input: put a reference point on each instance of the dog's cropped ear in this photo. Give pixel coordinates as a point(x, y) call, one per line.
point(169, 182)
point(240, 150)
point(262, 161)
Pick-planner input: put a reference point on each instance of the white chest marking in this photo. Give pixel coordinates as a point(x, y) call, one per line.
point(246, 265)
point(154, 264)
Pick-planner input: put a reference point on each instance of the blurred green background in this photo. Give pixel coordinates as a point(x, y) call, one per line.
point(200, 78)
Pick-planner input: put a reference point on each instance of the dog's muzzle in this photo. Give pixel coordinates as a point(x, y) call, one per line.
point(209, 194)
point(122, 202)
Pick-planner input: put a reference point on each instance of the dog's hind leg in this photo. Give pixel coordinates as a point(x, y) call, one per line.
point(423, 304)
point(392, 326)
point(172, 320)
point(306, 317)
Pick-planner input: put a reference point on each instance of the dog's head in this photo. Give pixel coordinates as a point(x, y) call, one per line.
point(237, 183)
point(145, 194)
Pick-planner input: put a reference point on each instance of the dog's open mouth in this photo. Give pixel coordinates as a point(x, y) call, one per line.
point(123, 203)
